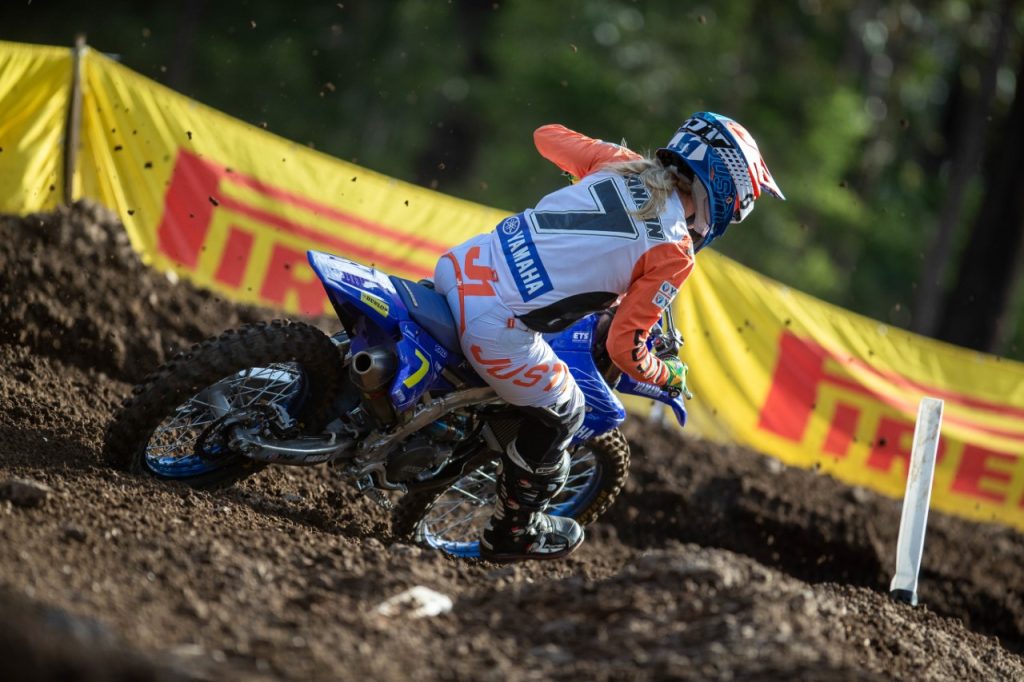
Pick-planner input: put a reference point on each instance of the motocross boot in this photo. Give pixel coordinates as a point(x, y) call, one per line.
point(519, 529)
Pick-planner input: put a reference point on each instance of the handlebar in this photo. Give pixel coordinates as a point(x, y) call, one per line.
point(668, 341)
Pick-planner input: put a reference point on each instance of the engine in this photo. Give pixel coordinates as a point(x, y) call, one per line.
point(426, 451)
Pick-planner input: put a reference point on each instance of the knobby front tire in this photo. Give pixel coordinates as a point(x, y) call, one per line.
point(453, 518)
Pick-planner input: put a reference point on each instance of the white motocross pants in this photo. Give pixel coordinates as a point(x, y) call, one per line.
point(513, 359)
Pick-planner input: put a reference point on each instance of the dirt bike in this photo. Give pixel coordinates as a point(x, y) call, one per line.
point(390, 402)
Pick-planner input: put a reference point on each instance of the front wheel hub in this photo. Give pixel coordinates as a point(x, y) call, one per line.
point(218, 440)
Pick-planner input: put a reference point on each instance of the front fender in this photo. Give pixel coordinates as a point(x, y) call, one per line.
point(631, 386)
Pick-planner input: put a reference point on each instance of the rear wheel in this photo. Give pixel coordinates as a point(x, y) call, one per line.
point(453, 519)
point(177, 423)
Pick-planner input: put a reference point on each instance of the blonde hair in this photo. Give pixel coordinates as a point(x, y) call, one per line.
point(659, 181)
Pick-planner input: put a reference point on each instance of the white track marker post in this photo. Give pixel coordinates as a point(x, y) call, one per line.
point(915, 501)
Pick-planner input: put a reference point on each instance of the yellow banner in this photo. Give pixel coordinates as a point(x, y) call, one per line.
point(818, 386)
point(34, 86)
point(234, 208)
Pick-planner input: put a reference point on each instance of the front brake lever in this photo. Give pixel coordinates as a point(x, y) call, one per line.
point(675, 339)
point(671, 342)
point(668, 342)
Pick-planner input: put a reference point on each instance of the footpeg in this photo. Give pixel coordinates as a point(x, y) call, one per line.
point(365, 486)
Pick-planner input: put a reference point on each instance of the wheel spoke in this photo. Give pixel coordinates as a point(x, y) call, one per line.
point(486, 476)
point(270, 389)
point(466, 493)
point(452, 508)
point(457, 516)
point(172, 444)
point(459, 523)
point(217, 400)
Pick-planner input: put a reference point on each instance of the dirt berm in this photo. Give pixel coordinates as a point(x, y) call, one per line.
point(717, 563)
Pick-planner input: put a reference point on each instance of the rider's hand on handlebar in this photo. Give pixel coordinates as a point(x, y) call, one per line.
point(677, 371)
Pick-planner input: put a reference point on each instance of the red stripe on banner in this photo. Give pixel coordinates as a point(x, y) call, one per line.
point(334, 214)
point(794, 389)
point(801, 369)
point(910, 406)
point(343, 246)
point(840, 434)
point(187, 209)
point(235, 258)
point(193, 194)
point(901, 381)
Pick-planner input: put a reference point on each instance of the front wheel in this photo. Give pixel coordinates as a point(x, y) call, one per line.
point(453, 519)
point(176, 425)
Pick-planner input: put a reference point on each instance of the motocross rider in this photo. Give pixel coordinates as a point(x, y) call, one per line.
point(626, 230)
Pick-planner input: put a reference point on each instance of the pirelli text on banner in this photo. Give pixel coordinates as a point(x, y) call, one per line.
point(211, 226)
point(234, 208)
point(870, 426)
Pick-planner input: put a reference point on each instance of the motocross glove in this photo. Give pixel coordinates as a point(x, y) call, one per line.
point(676, 382)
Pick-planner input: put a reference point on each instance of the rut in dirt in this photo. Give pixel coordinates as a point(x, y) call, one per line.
point(63, 283)
point(814, 528)
point(85, 320)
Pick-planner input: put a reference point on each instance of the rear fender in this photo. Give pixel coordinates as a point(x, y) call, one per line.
point(365, 291)
point(378, 317)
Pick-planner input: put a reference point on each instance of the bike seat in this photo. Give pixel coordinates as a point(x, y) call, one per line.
point(430, 310)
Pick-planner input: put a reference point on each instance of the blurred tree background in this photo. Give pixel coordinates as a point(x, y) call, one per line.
point(894, 128)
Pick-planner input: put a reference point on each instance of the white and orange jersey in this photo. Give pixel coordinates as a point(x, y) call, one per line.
point(582, 247)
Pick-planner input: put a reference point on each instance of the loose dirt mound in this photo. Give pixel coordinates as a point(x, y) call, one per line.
point(716, 562)
point(72, 288)
point(815, 528)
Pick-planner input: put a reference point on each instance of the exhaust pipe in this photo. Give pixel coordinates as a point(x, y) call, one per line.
point(371, 371)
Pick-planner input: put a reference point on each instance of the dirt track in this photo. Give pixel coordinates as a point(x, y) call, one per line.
point(716, 562)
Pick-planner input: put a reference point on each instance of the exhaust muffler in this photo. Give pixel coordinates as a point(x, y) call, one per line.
point(372, 370)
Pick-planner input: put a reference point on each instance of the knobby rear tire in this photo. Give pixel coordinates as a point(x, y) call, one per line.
point(206, 363)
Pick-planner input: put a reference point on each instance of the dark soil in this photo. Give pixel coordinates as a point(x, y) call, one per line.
point(71, 288)
point(715, 563)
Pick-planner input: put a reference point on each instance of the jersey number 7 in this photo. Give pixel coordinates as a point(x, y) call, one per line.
point(610, 218)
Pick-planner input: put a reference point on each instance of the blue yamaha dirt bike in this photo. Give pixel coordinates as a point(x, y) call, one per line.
point(390, 402)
